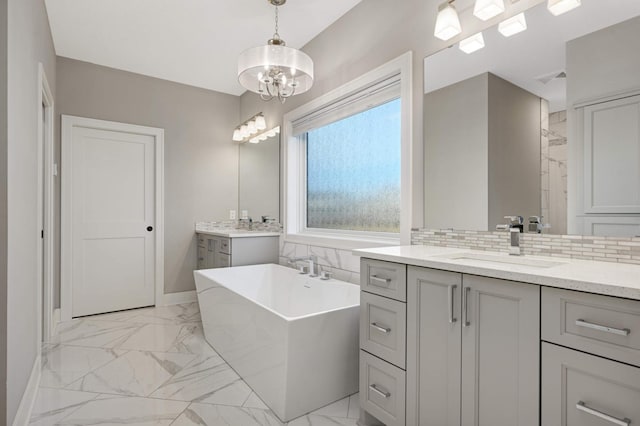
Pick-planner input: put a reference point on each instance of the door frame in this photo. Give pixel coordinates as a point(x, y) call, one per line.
point(46, 323)
point(68, 123)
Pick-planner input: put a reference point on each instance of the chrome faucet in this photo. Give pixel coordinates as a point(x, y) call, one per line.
point(515, 228)
point(311, 262)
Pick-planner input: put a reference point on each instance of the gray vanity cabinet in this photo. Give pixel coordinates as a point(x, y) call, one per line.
point(472, 350)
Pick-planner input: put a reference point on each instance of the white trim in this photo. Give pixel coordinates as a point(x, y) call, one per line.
point(68, 122)
point(606, 98)
point(29, 396)
point(55, 321)
point(45, 302)
point(293, 158)
point(179, 298)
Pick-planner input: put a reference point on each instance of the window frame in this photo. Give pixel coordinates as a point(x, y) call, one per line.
point(295, 163)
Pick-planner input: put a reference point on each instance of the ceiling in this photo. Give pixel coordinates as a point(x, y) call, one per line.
point(530, 58)
point(194, 42)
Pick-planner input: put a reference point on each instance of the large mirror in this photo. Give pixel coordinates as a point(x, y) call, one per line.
point(541, 123)
point(259, 179)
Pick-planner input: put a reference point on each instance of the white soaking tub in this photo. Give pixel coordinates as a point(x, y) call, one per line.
point(292, 338)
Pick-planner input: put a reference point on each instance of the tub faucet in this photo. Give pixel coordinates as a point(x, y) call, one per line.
point(515, 228)
point(311, 261)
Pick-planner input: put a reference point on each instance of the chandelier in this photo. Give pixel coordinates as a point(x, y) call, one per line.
point(275, 70)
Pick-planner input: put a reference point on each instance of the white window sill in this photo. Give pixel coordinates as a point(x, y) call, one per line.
point(347, 242)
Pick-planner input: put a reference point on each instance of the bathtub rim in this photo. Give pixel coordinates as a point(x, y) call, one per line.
point(284, 317)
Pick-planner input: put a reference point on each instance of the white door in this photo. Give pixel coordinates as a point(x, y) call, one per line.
point(113, 219)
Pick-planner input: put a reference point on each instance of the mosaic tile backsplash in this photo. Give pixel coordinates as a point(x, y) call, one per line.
point(606, 249)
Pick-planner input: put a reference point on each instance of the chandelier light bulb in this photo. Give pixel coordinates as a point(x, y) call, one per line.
point(237, 136)
point(252, 127)
point(487, 9)
point(558, 7)
point(513, 25)
point(447, 22)
point(244, 131)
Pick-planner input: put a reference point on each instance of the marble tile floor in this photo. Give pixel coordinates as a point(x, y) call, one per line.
point(152, 366)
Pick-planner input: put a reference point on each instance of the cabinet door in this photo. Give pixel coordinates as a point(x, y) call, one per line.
point(433, 347)
point(612, 156)
point(500, 352)
point(212, 249)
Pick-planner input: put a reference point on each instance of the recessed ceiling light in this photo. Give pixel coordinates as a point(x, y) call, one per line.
point(558, 7)
point(487, 9)
point(513, 25)
point(447, 22)
point(471, 44)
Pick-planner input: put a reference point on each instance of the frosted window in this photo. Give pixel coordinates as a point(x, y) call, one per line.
point(353, 172)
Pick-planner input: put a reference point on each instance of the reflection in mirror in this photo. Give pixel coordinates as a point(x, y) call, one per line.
point(498, 125)
point(259, 179)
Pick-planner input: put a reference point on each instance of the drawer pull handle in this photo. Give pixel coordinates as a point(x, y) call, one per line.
point(616, 421)
point(379, 392)
point(384, 281)
point(381, 329)
point(618, 331)
point(452, 318)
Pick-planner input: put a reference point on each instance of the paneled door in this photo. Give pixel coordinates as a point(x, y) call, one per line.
point(110, 195)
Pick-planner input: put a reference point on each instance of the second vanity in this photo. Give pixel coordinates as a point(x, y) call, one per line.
point(454, 337)
point(221, 248)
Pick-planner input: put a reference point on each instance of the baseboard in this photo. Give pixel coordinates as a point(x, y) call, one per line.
point(179, 298)
point(29, 397)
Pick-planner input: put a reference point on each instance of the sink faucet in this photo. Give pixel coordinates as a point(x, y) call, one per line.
point(311, 261)
point(515, 228)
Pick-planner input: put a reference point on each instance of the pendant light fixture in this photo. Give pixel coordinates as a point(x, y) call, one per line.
point(447, 21)
point(487, 9)
point(558, 7)
point(274, 70)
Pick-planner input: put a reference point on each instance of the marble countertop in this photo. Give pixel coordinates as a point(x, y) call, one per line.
point(236, 233)
point(611, 279)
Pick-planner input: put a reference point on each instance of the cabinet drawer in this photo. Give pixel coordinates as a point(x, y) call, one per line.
point(602, 325)
point(383, 328)
point(382, 390)
point(201, 242)
point(222, 260)
point(579, 389)
point(384, 278)
point(225, 245)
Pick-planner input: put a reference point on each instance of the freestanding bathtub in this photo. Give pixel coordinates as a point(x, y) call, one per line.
point(292, 338)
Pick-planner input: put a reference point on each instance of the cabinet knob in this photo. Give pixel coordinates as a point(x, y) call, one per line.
point(149, 228)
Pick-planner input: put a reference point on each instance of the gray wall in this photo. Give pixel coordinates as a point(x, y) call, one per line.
point(369, 35)
point(599, 64)
point(3, 210)
point(29, 42)
point(456, 155)
point(201, 161)
point(514, 151)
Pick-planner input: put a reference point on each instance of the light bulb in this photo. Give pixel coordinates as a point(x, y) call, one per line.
point(558, 7)
point(487, 9)
point(252, 127)
point(447, 22)
point(261, 123)
point(237, 136)
point(254, 140)
point(513, 25)
point(472, 44)
point(244, 131)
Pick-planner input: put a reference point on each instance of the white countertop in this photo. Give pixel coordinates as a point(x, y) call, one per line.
point(237, 233)
point(611, 279)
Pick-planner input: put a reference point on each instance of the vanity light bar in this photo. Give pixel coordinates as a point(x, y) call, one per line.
point(249, 128)
point(265, 135)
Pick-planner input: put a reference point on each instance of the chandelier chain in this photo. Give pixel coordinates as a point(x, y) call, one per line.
point(276, 35)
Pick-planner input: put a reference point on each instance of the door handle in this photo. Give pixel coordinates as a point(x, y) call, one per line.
point(581, 406)
point(452, 318)
point(149, 228)
point(612, 330)
point(465, 308)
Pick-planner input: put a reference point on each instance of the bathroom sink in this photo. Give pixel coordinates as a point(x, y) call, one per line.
point(511, 260)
